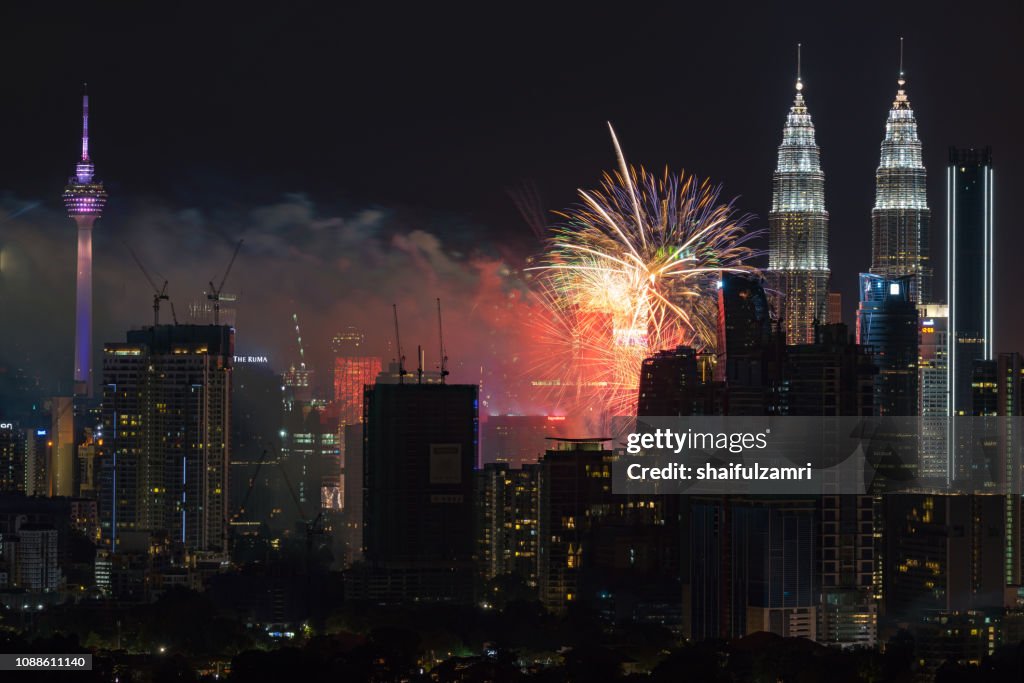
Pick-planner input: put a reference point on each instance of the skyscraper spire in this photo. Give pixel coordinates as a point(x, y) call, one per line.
point(900, 219)
point(798, 225)
point(799, 81)
point(84, 199)
point(901, 80)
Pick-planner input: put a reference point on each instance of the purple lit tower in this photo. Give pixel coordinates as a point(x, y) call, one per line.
point(84, 199)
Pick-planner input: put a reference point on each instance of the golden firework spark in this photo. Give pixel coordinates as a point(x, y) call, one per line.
point(632, 269)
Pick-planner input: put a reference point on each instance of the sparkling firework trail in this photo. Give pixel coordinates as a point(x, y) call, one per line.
point(633, 269)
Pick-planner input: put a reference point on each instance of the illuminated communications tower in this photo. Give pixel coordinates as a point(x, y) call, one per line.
point(84, 199)
point(798, 226)
point(900, 219)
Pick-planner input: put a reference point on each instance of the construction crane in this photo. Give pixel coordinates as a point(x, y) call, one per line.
point(398, 340)
point(298, 337)
point(312, 528)
point(440, 339)
point(252, 483)
point(214, 293)
point(159, 293)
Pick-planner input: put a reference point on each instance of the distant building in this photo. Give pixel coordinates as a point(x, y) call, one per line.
point(507, 504)
point(60, 470)
point(575, 491)
point(753, 567)
point(887, 323)
point(518, 439)
point(835, 308)
point(678, 382)
point(352, 514)
point(34, 538)
point(354, 370)
point(420, 448)
point(37, 459)
point(309, 457)
point(833, 376)
point(166, 417)
point(933, 390)
point(998, 391)
point(749, 350)
point(943, 552)
point(848, 618)
point(964, 637)
point(970, 264)
point(12, 458)
point(256, 417)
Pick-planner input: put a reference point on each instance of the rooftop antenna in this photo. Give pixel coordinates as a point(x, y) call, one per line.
point(85, 122)
point(440, 339)
point(799, 81)
point(419, 364)
point(398, 342)
point(214, 294)
point(159, 293)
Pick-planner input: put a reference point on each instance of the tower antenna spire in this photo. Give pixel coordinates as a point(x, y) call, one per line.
point(85, 122)
point(902, 80)
point(799, 80)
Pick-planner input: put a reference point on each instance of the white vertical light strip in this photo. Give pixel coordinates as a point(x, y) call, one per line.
point(951, 281)
point(990, 261)
point(951, 318)
point(986, 297)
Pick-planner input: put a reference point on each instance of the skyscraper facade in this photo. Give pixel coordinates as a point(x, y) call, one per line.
point(753, 567)
point(354, 370)
point(748, 348)
point(84, 198)
point(933, 389)
point(678, 382)
point(887, 323)
point(969, 290)
point(574, 492)
point(901, 218)
point(166, 408)
point(798, 228)
point(418, 455)
point(507, 521)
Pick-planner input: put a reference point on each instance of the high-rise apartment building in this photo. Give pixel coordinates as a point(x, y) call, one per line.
point(933, 390)
point(507, 521)
point(420, 443)
point(754, 567)
point(166, 407)
point(574, 493)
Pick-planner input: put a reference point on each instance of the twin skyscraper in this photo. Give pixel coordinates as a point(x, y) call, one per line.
point(798, 223)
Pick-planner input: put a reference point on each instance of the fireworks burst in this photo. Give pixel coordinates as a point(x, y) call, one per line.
point(633, 269)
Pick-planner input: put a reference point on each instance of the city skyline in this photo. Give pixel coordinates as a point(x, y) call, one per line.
point(499, 344)
point(456, 236)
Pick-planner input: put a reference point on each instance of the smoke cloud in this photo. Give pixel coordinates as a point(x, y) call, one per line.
point(333, 269)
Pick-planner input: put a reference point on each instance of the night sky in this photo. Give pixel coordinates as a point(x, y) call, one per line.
point(435, 114)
